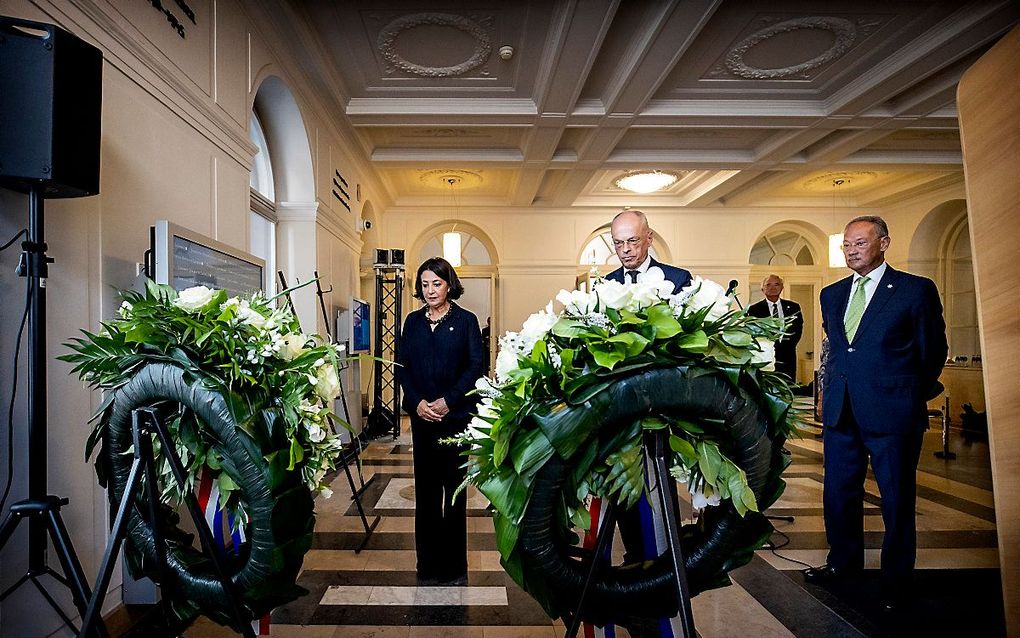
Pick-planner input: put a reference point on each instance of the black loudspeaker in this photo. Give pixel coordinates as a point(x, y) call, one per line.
point(50, 108)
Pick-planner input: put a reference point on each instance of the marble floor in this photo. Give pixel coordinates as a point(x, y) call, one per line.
point(373, 593)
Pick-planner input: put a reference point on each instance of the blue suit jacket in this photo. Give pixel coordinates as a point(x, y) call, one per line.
point(678, 276)
point(890, 369)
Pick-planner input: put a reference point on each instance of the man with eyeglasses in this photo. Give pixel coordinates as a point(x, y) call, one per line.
point(631, 239)
point(888, 344)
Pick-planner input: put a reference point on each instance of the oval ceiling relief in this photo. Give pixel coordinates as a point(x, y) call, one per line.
point(392, 32)
point(843, 32)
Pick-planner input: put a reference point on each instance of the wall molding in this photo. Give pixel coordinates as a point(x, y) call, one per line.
point(141, 63)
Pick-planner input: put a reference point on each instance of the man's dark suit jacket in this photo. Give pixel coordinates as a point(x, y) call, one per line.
point(891, 368)
point(678, 276)
point(786, 348)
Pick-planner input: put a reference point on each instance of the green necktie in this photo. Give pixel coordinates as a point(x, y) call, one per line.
point(856, 310)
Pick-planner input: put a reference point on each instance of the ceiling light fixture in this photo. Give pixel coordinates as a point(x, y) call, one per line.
point(452, 245)
point(646, 181)
point(836, 257)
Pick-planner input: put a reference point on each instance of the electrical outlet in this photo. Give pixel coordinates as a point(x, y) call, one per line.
point(139, 268)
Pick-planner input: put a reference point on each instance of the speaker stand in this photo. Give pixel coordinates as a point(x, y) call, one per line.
point(42, 510)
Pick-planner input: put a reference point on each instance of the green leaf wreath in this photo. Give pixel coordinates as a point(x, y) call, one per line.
point(549, 377)
point(276, 379)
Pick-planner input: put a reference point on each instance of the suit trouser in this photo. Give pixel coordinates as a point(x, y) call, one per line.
point(894, 458)
point(440, 526)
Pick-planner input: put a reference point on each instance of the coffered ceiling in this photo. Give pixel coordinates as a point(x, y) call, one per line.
point(748, 102)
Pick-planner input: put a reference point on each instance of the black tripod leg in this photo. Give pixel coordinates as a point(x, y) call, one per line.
point(72, 567)
point(112, 547)
point(204, 534)
point(143, 442)
point(10, 524)
point(356, 497)
point(605, 533)
point(671, 522)
point(53, 604)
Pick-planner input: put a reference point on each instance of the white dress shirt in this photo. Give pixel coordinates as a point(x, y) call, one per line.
point(641, 270)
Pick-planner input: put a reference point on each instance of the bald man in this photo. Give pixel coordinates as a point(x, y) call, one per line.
point(774, 306)
point(632, 238)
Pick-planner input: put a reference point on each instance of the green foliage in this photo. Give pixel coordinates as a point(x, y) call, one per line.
point(278, 382)
point(545, 403)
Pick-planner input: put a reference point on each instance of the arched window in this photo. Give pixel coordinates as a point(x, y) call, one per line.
point(472, 251)
point(262, 216)
point(961, 302)
point(782, 247)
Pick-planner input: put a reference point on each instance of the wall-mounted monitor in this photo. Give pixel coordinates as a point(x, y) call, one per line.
point(183, 258)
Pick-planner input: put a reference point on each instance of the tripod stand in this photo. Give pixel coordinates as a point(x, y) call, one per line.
point(657, 444)
point(40, 509)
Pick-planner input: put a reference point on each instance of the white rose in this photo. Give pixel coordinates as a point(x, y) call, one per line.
point(648, 293)
point(506, 362)
point(250, 316)
point(194, 299)
point(766, 354)
point(612, 294)
point(315, 433)
point(537, 326)
point(327, 383)
point(577, 302)
point(705, 293)
point(293, 346)
point(700, 501)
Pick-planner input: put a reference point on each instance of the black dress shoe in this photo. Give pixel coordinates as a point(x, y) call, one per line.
point(827, 574)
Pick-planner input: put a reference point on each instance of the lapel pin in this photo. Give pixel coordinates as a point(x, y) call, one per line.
point(888, 285)
point(451, 328)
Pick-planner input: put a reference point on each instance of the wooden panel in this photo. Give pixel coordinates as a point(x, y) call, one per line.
point(989, 106)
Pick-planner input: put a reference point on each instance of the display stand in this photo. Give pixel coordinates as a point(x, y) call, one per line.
point(353, 452)
point(146, 424)
point(657, 447)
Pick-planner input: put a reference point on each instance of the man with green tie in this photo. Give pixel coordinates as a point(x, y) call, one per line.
point(887, 348)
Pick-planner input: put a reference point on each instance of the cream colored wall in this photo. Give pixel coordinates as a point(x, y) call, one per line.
point(991, 141)
point(174, 146)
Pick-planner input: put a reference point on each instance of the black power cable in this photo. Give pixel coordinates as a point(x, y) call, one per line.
point(14, 381)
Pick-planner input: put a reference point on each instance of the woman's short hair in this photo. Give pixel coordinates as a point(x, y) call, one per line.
point(444, 271)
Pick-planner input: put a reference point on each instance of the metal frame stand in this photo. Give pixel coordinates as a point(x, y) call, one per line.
point(944, 453)
point(145, 424)
point(41, 510)
point(657, 445)
point(389, 283)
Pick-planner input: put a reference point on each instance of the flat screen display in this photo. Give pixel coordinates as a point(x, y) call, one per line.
point(184, 258)
point(361, 326)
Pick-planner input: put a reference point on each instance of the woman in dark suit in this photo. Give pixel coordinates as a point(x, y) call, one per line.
point(440, 359)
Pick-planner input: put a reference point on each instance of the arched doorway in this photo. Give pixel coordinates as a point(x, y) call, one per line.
point(795, 251)
point(478, 271)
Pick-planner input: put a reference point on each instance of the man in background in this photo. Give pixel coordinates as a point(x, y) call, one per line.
point(774, 306)
point(888, 347)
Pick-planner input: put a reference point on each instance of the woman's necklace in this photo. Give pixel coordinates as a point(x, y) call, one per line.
point(439, 319)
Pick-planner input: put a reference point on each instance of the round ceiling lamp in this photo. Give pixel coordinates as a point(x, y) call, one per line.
point(646, 181)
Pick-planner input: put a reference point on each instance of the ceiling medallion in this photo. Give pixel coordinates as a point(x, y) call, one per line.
point(444, 178)
point(646, 181)
point(825, 181)
point(844, 30)
point(388, 38)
